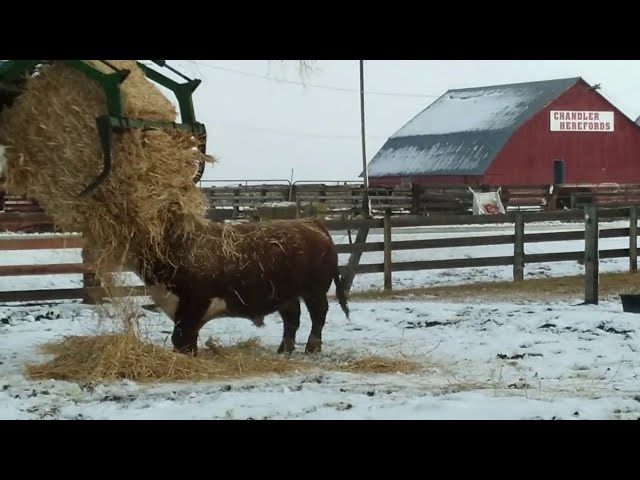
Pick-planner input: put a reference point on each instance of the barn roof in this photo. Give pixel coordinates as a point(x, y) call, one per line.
point(463, 130)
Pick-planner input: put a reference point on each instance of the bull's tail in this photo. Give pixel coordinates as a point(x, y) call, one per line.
point(341, 294)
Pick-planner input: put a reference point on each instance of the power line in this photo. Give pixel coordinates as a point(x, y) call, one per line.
point(281, 132)
point(292, 134)
point(313, 85)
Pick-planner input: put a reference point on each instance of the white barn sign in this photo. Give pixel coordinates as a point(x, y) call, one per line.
point(580, 121)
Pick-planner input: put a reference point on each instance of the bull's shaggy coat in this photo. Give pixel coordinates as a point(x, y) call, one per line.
point(245, 270)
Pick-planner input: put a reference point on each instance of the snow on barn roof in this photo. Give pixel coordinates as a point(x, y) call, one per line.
point(462, 131)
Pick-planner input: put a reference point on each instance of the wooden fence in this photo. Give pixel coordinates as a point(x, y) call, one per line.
point(18, 214)
point(591, 216)
point(590, 255)
point(87, 292)
point(345, 200)
point(303, 199)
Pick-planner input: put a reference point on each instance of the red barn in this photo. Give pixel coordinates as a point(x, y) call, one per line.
point(555, 131)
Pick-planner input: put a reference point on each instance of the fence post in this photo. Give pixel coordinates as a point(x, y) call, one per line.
point(633, 239)
point(354, 259)
point(415, 198)
point(236, 203)
point(387, 250)
point(89, 280)
point(591, 255)
point(518, 248)
point(298, 206)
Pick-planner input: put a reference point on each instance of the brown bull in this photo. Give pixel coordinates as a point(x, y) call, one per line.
point(248, 271)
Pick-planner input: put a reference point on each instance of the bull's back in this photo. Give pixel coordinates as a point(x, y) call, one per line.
point(288, 260)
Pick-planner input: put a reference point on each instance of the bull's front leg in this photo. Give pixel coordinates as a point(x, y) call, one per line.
point(188, 320)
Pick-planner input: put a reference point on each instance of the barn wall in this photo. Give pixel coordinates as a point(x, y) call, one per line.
point(590, 157)
point(425, 180)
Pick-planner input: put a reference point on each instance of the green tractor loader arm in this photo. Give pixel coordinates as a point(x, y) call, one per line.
point(14, 72)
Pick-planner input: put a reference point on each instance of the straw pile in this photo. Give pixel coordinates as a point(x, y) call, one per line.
point(54, 152)
point(124, 356)
point(118, 356)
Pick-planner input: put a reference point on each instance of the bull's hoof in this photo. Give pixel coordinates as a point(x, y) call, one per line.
point(193, 352)
point(287, 346)
point(211, 346)
point(186, 350)
point(258, 322)
point(314, 345)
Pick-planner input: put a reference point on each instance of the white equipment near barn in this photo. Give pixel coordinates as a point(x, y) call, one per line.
point(487, 203)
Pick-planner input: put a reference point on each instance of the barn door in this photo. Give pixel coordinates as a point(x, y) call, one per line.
point(558, 172)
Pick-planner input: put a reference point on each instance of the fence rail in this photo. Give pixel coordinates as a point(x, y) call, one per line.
point(590, 256)
point(591, 216)
point(346, 200)
point(87, 292)
point(242, 199)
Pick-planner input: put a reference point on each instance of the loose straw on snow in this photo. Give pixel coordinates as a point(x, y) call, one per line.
point(126, 356)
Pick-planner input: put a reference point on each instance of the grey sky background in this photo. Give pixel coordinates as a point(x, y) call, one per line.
point(262, 122)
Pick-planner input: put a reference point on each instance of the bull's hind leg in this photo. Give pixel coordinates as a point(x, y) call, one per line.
point(290, 314)
point(318, 307)
point(187, 324)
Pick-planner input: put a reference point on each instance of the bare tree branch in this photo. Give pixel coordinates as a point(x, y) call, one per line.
point(305, 68)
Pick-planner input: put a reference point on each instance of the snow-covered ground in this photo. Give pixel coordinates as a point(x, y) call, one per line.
point(483, 359)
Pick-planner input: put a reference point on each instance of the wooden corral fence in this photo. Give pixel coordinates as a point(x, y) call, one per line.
point(591, 217)
point(17, 214)
point(265, 199)
point(344, 199)
point(88, 292)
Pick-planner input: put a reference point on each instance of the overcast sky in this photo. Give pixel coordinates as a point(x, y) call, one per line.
point(262, 122)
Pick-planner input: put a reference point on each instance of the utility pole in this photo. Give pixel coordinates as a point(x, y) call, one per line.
point(365, 198)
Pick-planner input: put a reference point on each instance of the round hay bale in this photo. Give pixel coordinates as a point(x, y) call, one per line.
point(54, 152)
point(140, 98)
